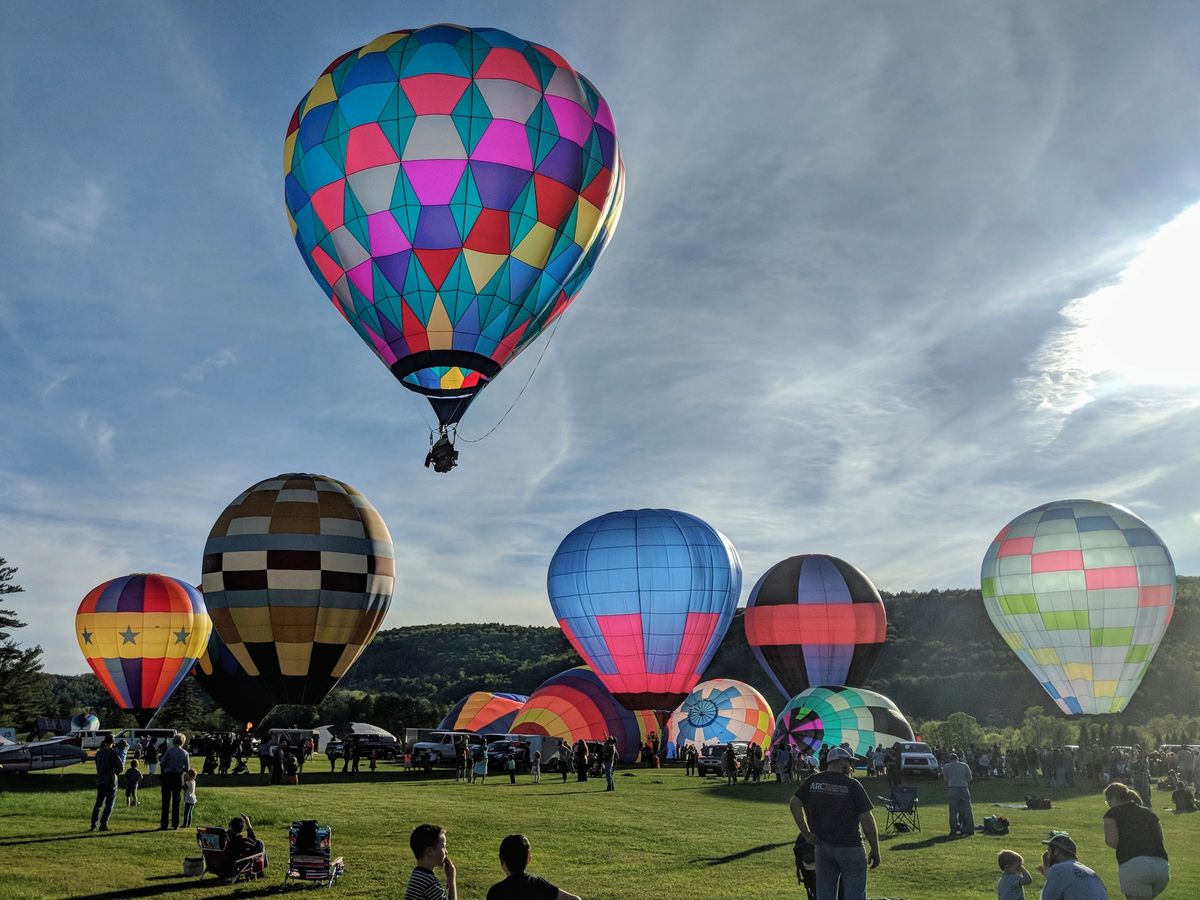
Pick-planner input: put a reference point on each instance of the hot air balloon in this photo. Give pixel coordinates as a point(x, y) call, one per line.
point(721, 710)
point(815, 620)
point(141, 634)
point(1083, 592)
point(841, 715)
point(243, 696)
point(483, 711)
point(450, 190)
point(298, 575)
point(645, 597)
point(85, 722)
point(574, 705)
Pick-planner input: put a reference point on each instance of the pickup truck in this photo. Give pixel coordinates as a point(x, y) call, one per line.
point(440, 745)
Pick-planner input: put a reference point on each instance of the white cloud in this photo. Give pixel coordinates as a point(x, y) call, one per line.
point(70, 217)
point(200, 370)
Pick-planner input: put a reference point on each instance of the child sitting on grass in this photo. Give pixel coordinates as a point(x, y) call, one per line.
point(1011, 885)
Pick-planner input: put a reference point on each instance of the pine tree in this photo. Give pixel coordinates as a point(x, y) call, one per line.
point(21, 693)
point(183, 708)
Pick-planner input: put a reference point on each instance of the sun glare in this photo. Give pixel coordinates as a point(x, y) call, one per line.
point(1142, 330)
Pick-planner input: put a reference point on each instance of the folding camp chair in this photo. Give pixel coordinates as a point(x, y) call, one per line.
point(902, 812)
point(309, 857)
point(214, 843)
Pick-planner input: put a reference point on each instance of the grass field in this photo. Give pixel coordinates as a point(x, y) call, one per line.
point(660, 834)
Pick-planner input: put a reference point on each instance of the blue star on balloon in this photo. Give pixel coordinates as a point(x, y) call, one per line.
point(181, 636)
point(128, 635)
point(87, 636)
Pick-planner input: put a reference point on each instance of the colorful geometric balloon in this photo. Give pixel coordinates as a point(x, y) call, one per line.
point(645, 596)
point(815, 620)
point(85, 722)
point(841, 715)
point(719, 711)
point(1083, 592)
point(243, 696)
point(450, 190)
point(483, 711)
point(141, 634)
point(574, 705)
point(298, 575)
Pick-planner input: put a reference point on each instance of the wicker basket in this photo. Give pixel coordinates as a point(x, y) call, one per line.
point(193, 865)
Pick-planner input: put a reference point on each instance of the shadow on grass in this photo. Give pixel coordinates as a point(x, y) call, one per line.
point(741, 854)
point(928, 842)
point(85, 836)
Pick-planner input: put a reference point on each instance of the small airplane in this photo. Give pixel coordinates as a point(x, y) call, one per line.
point(37, 755)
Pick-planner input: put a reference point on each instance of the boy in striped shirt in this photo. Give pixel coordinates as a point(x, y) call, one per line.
point(428, 844)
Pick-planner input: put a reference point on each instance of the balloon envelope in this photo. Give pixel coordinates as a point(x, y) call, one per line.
point(85, 722)
point(719, 711)
point(298, 576)
point(841, 715)
point(1082, 591)
point(645, 596)
point(140, 634)
point(243, 696)
point(483, 711)
point(575, 705)
point(450, 190)
point(815, 620)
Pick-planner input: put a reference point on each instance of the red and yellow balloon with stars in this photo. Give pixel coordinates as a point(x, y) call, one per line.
point(141, 634)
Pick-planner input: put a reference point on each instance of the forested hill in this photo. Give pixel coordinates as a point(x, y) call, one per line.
point(942, 655)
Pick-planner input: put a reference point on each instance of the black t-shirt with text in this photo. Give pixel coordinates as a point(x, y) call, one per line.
point(832, 804)
point(522, 887)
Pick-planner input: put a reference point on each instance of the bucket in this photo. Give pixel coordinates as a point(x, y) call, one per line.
point(193, 865)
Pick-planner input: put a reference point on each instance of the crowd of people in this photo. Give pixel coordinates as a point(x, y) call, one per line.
point(831, 808)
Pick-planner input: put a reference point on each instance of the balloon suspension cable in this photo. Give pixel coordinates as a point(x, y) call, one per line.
point(521, 393)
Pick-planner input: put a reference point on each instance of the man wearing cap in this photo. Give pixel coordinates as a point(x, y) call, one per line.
point(830, 807)
point(1066, 877)
point(957, 775)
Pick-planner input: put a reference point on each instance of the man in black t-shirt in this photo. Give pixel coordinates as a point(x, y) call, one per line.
point(514, 857)
point(830, 807)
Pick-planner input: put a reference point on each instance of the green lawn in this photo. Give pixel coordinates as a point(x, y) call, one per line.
point(660, 834)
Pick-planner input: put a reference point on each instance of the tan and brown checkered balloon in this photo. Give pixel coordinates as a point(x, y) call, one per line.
point(298, 576)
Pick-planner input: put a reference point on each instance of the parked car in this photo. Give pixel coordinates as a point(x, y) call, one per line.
point(440, 745)
point(712, 758)
point(917, 759)
point(385, 747)
point(498, 751)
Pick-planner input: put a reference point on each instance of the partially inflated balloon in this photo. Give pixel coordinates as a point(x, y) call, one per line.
point(483, 711)
point(141, 634)
point(645, 596)
point(719, 711)
point(298, 575)
point(85, 722)
point(1083, 592)
point(450, 190)
point(815, 620)
point(574, 705)
point(243, 696)
point(841, 715)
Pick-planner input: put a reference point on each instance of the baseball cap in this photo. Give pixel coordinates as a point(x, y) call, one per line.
point(838, 753)
point(1062, 841)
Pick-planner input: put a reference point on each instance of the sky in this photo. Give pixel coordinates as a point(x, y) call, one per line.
point(887, 275)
